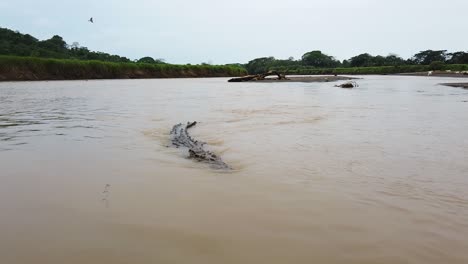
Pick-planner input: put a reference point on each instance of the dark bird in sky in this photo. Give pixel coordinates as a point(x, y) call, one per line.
point(91, 20)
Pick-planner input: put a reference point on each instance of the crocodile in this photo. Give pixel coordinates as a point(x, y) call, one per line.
point(181, 138)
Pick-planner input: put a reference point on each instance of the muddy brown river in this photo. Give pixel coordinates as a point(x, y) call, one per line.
point(374, 174)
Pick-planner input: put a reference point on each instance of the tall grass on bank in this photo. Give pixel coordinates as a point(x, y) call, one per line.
point(32, 68)
point(369, 70)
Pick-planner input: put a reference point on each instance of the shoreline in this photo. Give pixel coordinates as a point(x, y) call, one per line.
point(434, 74)
point(111, 79)
point(14, 68)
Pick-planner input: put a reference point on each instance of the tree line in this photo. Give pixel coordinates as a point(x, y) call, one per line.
point(14, 43)
point(23, 57)
point(319, 60)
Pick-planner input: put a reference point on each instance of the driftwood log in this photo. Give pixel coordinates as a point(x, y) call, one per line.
point(258, 77)
point(181, 138)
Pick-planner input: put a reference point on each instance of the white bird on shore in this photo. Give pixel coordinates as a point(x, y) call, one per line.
point(91, 20)
point(429, 73)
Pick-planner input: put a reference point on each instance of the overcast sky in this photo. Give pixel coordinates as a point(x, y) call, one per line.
point(219, 31)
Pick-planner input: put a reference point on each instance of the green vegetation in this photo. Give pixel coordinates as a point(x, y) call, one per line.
point(30, 68)
point(150, 60)
point(17, 44)
point(23, 57)
point(317, 59)
point(316, 62)
point(369, 70)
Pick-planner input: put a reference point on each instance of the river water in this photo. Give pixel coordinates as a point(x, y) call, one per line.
point(374, 174)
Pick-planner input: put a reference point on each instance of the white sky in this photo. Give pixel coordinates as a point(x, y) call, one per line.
point(220, 31)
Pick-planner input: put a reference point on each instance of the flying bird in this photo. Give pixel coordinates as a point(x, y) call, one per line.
point(91, 20)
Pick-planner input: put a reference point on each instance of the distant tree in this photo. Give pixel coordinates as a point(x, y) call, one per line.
point(75, 45)
point(29, 40)
point(80, 53)
point(345, 64)
point(378, 61)
point(260, 65)
point(394, 60)
point(56, 43)
point(436, 65)
point(146, 60)
point(367, 60)
point(458, 57)
point(317, 59)
point(160, 61)
point(15, 43)
point(428, 56)
point(362, 60)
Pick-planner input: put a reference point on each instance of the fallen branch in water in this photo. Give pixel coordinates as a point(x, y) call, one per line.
point(181, 138)
point(258, 77)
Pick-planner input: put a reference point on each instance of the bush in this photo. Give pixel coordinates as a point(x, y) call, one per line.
point(436, 65)
point(32, 68)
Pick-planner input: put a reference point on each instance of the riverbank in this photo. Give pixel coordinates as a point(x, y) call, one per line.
point(449, 73)
point(14, 68)
point(382, 70)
